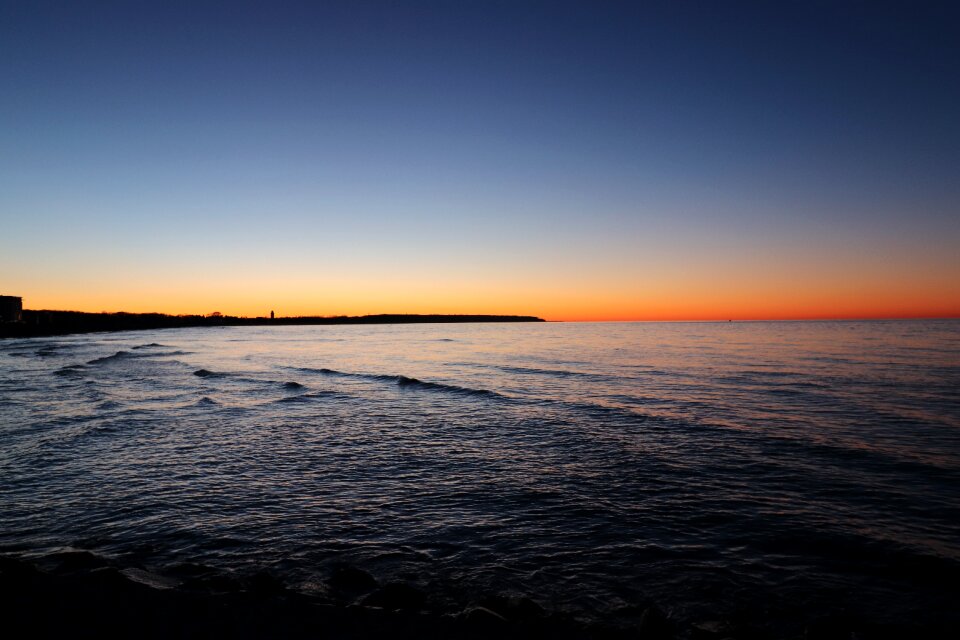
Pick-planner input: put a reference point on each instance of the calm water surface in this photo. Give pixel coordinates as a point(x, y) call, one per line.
point(711, 468)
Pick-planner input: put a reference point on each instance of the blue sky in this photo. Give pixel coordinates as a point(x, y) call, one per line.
point(559, 148)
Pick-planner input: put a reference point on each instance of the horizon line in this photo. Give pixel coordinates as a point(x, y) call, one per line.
point(719, 319)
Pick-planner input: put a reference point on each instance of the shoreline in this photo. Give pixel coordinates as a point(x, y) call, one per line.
point(57, 323)
point(76, 593)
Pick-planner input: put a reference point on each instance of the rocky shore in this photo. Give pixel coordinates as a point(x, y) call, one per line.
point(79, 594)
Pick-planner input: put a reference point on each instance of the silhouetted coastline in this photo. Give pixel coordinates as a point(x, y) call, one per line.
point(51, 323)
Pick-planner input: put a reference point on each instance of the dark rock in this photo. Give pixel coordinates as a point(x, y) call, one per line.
point(513, 608)
point(831, 627)
point(13, 570)
point(188, 570)
point(75, 561)
point(215, 583)
point(527, 608)
point(351, 580)
point(655, 625)
point(264, 583)
point(631, 611)
point(710, 630)
point(483, 619)
point(396, 595)
point(111, 579)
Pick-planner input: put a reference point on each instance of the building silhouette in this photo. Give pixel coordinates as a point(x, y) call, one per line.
point(11, 309)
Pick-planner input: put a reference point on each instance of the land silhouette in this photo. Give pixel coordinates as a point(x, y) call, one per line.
point(49, 323)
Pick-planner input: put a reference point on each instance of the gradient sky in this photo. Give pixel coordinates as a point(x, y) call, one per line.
point(593, 160)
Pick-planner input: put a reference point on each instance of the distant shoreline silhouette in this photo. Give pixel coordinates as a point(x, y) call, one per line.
point(49, 323)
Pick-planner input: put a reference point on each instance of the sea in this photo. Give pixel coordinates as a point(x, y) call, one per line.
point(784, 471)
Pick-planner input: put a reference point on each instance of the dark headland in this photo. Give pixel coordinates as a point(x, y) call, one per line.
point(49, 323)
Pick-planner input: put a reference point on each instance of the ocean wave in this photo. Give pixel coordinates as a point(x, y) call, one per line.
point(34, 348)
point(21, 354)
point(597, 409)
point(290, 399)
point(312, 396)
point(323, 371)
point(119, 355)
point(557, 373)
point(126, 355)
point(407, 382)
point(206, 373)
point(70, 370)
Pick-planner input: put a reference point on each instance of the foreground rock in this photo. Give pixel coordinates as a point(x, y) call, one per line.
point(82, 595)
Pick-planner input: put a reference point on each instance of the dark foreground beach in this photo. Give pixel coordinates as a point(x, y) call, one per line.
point(78, 594)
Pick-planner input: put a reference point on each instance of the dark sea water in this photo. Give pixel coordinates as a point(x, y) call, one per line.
point(777, 470)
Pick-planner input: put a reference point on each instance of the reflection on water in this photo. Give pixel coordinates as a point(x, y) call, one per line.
point(713, 468)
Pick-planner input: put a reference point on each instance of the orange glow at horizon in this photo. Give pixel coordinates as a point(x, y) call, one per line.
point(712, 282)
point(706, 301)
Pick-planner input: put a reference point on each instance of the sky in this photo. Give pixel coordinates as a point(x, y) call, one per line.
point(575, 161)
